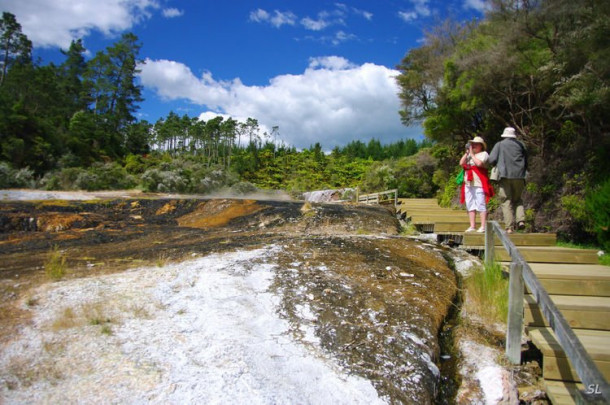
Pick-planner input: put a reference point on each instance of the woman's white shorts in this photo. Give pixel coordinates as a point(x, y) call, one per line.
point(475, 199)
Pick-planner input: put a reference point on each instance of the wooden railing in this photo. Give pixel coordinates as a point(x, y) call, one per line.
point(520, 273)
point(377, 198)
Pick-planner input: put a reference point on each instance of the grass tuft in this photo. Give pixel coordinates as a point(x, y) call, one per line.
point(488, 290)
point(55, 266)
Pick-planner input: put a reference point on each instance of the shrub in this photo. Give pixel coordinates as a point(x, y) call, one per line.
point(64, 179)
point(214, 179)
point(597, 205)
point(11, 178)
point(449, 194)
point(244, 187)
point(111, 176)
point(87, 181)
point(378, 177)
point(157, 180)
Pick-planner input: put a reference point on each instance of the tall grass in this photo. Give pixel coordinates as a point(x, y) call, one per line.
point(487, 289)
point(55, 266)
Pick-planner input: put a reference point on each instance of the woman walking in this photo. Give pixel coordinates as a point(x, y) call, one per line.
point(476, 188)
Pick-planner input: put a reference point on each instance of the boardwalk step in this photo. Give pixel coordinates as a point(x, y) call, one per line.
point(433, 211)
point(472, 240)
point(573, 279)
point(563, 393)
point(581, 312)
point(534, 254)
point(418, 202)
point(458, 217)
point(451, 227)
point(555, 364)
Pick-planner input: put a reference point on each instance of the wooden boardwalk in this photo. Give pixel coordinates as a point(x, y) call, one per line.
point(576, 283)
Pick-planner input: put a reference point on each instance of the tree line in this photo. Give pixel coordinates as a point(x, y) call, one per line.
point(540, 66)
point(72, 125)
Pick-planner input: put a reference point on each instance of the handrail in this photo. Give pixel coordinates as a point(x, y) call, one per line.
point(374, 197)
point(520, 272)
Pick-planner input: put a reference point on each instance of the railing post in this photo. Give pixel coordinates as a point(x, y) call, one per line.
point(490, 232)
point(515, 313)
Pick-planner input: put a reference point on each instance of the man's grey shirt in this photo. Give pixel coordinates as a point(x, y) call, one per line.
point(510, 156)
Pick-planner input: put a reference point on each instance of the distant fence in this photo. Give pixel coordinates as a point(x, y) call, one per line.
point(521, 272)
point(378, 198)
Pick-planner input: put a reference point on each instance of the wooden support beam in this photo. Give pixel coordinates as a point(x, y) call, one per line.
point(515, 313)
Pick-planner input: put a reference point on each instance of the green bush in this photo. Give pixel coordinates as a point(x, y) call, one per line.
point(111, 176)
point(63, 179)
point(449, 192)
point(11, 178)
point(597, 205)
point(100, 176)
point(379, 177)
point(163, 181)
point(243, 187)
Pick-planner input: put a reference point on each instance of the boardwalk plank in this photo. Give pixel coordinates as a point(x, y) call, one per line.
point(581, 312)
point(474, 240)
point(562, 393)
point(555, 364)
point(535, 254)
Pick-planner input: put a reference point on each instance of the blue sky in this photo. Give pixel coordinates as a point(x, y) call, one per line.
point(321, 71)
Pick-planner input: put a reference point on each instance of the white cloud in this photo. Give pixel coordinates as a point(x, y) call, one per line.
point(342, 36)
point(421, 9)
point(331, 63)
point(172, 12)
point(333, 101)
point(314, 25)
point(324, 18)
point(259, 15)
point(479, 5)
point(407, 16)
point(57, 23)
point(366, 14)
point(277, 19)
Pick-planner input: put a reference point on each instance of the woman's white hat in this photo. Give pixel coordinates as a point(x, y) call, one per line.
point(478, 139)
point(509, 132)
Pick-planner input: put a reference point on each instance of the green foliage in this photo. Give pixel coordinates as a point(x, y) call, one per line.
point(449, 193)
point(244, 188)
point(597, 205)
point(379, 177)
point(100, 176)
point(10, 178)
point(530, 67)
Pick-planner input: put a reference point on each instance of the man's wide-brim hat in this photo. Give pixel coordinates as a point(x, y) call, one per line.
point(478, 139)
point(509, 133)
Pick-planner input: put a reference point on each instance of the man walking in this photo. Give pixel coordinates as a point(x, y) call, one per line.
point(510, 157)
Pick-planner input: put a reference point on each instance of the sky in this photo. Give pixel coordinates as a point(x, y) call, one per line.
point(319, 71)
